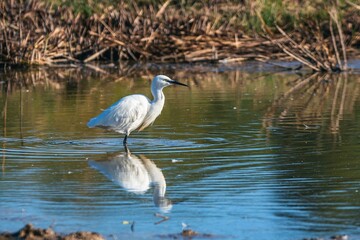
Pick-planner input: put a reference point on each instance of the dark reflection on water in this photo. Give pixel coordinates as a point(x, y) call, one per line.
point(248, 154)
point(310, 101)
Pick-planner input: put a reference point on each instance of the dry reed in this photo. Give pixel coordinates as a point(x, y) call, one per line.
point(313, 48)
point(39, 33)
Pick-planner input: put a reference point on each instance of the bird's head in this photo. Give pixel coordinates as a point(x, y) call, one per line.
point(161, 81)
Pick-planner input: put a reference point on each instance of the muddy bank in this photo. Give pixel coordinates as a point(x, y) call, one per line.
point(29, 232)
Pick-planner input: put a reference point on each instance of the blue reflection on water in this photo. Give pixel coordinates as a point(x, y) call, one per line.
point(230, 173)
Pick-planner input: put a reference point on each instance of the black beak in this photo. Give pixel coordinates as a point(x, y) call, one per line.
point(177, 83)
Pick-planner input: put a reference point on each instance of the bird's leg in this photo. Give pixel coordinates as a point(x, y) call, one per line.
point(125, 140)
point(125, 145)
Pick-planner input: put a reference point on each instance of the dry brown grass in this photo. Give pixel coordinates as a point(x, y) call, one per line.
point(39, 33)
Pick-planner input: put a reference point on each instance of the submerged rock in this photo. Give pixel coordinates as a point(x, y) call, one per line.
point(187, 234)
point(83, 235)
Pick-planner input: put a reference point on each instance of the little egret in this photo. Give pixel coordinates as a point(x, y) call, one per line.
point(134, 112)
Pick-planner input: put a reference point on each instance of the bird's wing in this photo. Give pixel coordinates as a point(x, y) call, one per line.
point(123, 116)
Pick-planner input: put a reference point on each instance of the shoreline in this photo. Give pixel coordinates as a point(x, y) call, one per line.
point(29, 232)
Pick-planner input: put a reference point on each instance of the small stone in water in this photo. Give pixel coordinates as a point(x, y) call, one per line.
point(184, 225)
point(340, 237)
point(175, 160)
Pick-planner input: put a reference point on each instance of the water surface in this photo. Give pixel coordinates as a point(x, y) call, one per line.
point(246, 153)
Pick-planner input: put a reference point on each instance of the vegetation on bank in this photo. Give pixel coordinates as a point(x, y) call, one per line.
point(79, 32)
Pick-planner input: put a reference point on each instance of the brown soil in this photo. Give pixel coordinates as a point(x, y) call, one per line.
point(29, 232)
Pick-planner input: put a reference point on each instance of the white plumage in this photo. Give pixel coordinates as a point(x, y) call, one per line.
point(134, 112)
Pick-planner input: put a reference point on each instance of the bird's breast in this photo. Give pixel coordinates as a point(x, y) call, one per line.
point(154, 111)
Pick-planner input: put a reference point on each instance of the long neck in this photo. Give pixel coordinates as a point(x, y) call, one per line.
point(158, 95)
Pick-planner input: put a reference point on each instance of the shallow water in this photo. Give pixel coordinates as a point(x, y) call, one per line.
point(243, 153)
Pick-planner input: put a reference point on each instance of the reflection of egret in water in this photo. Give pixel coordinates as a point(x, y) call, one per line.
point(135, 174)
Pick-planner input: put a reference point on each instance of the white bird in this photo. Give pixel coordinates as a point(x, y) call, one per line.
point(134, 112)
